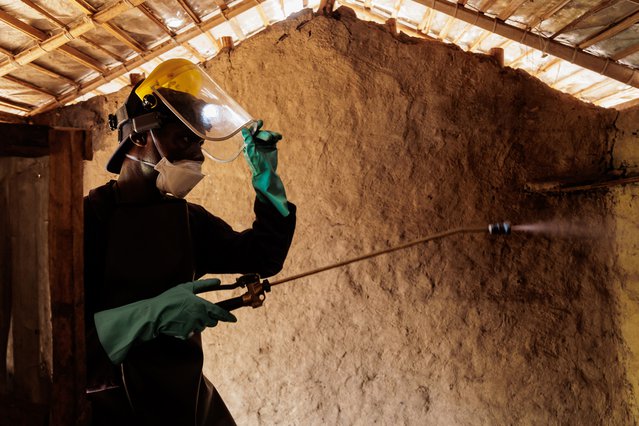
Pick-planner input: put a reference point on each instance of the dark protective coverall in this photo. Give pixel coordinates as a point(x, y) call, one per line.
point(137, 251)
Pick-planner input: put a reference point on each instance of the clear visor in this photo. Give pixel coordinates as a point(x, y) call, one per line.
point(211, 114)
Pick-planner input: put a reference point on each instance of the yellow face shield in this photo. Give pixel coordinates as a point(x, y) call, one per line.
point(200, 103)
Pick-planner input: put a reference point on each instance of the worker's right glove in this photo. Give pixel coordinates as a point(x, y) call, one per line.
point(177, 312)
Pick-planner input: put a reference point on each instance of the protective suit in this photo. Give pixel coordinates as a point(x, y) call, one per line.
point(138, 252)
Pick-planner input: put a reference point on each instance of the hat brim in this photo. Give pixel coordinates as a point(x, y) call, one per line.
point(114, 164)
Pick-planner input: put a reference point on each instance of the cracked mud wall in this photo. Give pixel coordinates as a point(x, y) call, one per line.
point(388, 139)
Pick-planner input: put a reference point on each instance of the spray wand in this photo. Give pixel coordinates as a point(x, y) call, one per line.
point(257, 288)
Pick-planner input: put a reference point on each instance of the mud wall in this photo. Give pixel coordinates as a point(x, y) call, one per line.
point(388, 139)
point(625, 156)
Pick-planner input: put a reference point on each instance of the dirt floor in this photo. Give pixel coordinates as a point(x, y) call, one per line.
point(386, 140)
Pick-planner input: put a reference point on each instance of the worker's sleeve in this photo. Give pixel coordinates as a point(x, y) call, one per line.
point(261, 249)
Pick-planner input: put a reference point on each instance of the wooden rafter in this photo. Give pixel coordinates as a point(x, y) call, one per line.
point(630, 50)
point(40, 36)
point(133, 63)
point(189, 11)
point(62, 26)
point(461, 33)
point(595, 86)
point(149, 14)
point(479, 40)
point(547, 66)
point(15, 105)
point(566, 77)
point(611, 95)
point(572, 24)
point(425, 19)
point(577, 56)
point(611, 31)
point(485, 5)
point(446, 29)
point(538, 19)
point(28, 85)
point(75, 30)
point(511, 8)
point(52, 74)
point(521, 57)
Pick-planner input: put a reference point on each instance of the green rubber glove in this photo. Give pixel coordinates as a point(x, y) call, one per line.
point(177, 312)
point(261, 155)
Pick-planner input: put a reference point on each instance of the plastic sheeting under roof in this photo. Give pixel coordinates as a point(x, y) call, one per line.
point(62, 51)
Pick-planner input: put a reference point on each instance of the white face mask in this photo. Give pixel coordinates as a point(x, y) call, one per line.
point(178, 178)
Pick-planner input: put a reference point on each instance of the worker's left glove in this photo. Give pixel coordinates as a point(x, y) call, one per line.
point(261, 155)
point(177, 312)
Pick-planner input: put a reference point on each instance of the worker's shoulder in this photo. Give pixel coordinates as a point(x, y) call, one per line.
point(100, 200)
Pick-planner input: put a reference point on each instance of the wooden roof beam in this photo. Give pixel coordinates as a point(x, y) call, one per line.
point(611, 31)
point(580, 58)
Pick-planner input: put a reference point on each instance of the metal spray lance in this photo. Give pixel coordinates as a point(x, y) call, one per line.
point(256, 288)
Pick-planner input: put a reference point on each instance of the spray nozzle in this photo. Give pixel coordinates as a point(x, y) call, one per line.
point(500, 228)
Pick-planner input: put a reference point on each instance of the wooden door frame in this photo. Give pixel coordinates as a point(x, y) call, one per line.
point(66, 149)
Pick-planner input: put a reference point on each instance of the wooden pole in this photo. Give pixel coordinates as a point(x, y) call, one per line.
point(66, 253)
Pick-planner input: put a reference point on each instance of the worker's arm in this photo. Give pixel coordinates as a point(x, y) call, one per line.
point(263, 248)
point(177, 312)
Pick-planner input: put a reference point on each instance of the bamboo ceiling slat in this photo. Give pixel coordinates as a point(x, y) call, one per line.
point(583, 59)
point(595, 9)
point(611, 31)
